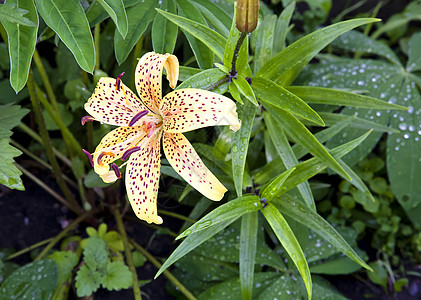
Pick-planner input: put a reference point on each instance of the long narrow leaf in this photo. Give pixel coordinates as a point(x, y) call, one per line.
point(117, 12)
point(284, 67)
point(21, 42)
point(289, 242)
point(9, 12)
point(248, 245)
point(67, 18)
point(164, 32)
point(304, 215)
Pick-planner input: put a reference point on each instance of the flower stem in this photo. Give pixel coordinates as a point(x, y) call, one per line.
point(30, 248)
point(236, 50)
point(129, 257)
point(218, 83)
point(47, 145)
point(166, 273)
point(64, 232)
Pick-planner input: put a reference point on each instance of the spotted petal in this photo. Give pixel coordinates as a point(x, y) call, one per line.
point(148, 77)
point(184, 159)
point(142, 179)
point(114, 144)
point(189, 109)
point(112, 105)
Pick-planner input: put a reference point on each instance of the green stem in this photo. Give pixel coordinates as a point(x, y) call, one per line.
point(64, 232)
point(40, 161)
point(47, 145)
point(136, 56)
point(129, 257)
point(30, 248)
point(175, 215)
point(46, 81)
point(166, 273)
point(97, 36)
point(218, 83)
point(236, 50)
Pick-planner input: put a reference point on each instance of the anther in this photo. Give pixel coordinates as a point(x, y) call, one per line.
point(118, 81)
point(100, 156)
point(86, 119)
point(137, 117)
point(129, 152)
point(264, 201)
point(89, 156)
point(116, 170)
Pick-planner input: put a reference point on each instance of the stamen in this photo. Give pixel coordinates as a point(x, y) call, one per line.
point(102, 155)
point(129, 152)
point(116, 170)
point(264, 201)
point(89, 156)
point(118, 81)
point(86, 119)
point(137, 117)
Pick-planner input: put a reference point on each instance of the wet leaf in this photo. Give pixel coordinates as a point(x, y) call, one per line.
point(164, 32)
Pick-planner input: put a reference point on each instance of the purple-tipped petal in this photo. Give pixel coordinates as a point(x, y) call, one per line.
point(89, 156)
point(86, 119)
point(116, 170)
point(137, 117)
point(118, 81)
point(129, 152)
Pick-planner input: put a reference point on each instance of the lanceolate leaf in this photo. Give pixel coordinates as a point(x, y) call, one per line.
point(67, 18)
point(213, 19)
point(21, 41)
point(209, 37)
point(117, 12)
point(284, 67)
point(289, 242)
point(245, 89)
point(264, 42)
point(9, 12)
point(304, 215)
point(248, 245)
point(281, 28)
point(139, 16)
point(204, 80)
point(164, 33)
point(221, 14)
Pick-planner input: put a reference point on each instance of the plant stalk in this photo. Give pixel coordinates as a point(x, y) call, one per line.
point(30, 248)
point(97, 35)
point(240, 41)
point(129, 257)
point(175, 215)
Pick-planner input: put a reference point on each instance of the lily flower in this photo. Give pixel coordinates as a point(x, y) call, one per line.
point(146, 121)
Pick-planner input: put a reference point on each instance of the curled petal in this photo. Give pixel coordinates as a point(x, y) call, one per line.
point(184, 159)
point(114, 145)
point(109, 177)
point(114, 106)
point(142, 180)
point(148, 77)
point(188, 109)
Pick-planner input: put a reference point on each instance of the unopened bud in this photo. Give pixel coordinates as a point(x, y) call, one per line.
point(247, 15)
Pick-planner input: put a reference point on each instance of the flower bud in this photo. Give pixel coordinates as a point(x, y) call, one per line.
point(247, 15)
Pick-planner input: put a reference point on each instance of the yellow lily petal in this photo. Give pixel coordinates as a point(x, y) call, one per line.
point(109, 177)
point(184, 159)
point(189, 109)
point(113, 146)
point(148, 77)
point(142, 179)
point(112, 105)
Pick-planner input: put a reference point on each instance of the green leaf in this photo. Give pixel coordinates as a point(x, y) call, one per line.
point(276, 184)
point(284, 67)
point(264, 42)
point(191, 242)
point(304, 137)
point(11, 14)
point(214, 18)
point(139, 16)
point(204, 80)
point(186, 72)
point(67, 18)
point(240, 143)
point(10, 116)
point(281, 29)
point(96, 13)
point(204, 56)
point(321, 95)
point(95, 253)
point(228, 211)
point(379, 276)
point(65, 115)
point(218, 12)
point(117, 12)
point(118, 276)
point(248, 245)
point(356, 41)
point(289, 242)
point(306, 216)
point(66, 261)
point(274, 94)
point(245, 89)
point(87, 281)
point(21, 42)
point(207, 36)
point(8, 94)
point(36, 280)
point(235, 93)
point(340, 265)
point(414, 60)
point(164, 33)
point(286, 153)
point(93, 180)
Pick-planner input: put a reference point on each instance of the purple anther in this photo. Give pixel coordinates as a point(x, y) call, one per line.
point(248, 79)
point(86, 119)
point(129, 152)
point(138, 116)
point(89, 156)
point(116, 170)
point(264, 201)
point(118, 81)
